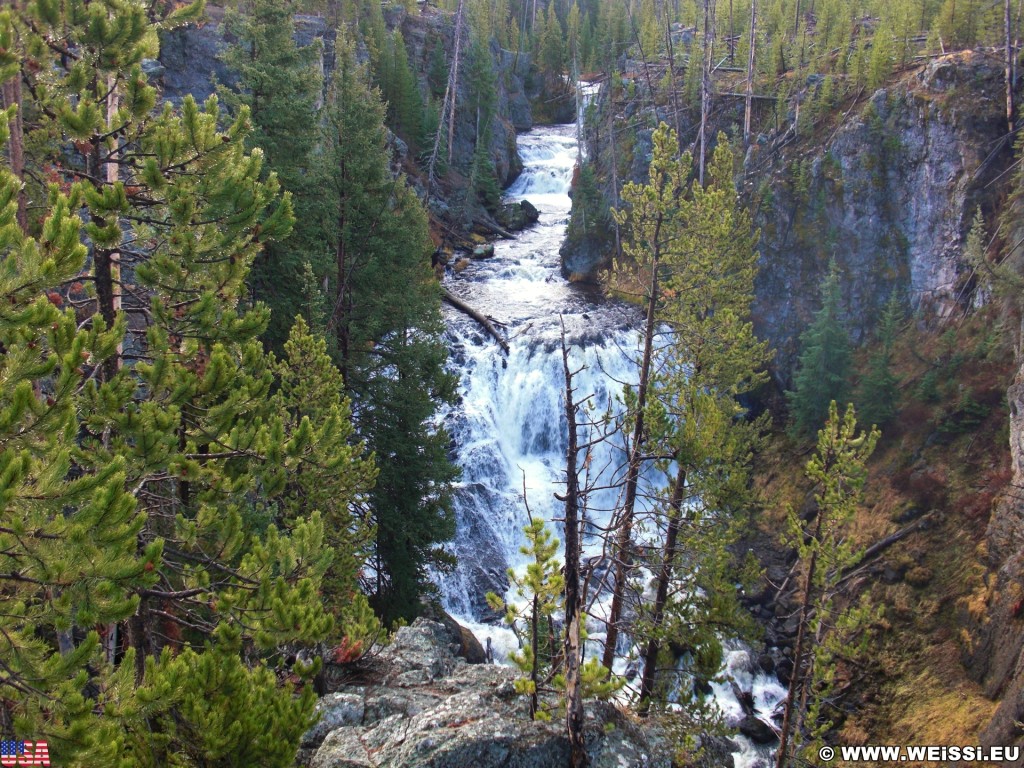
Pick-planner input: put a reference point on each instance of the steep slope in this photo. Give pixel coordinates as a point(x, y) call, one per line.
point(886, 184)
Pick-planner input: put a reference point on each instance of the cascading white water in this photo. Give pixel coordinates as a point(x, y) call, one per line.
point(509, 427)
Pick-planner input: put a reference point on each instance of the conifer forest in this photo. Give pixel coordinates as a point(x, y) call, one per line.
point(511, 383)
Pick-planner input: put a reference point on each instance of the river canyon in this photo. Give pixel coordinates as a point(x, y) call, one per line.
point(509, 425)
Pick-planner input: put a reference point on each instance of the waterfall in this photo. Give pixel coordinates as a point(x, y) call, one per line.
point(508, 426)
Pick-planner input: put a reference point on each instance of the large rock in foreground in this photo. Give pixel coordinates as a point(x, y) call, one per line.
point(425, 707)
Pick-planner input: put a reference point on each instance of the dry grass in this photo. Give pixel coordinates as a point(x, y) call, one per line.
point(946, 454)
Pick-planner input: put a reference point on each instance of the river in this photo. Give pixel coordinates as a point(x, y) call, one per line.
point(509, 427)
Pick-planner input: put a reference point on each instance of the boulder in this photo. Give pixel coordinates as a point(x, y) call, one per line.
point(464, 643)
point(484, 251)
point(426, 707)
point(530, 211)
point(517, 216)
point(757, 730)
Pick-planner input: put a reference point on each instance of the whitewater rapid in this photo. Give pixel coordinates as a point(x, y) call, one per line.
point(508, 426)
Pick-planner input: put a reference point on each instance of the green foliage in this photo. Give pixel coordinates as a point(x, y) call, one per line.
point(878, 393)
point(590, 215)
point(705, 244)
point(220, 710)
point(68, 544)
point(279, 84)
point(540, 593)
point(327, 471)
point(405, 108)
point(437, 70)
point(827, 633)
point(552, 45)
point(157, 491)
point(386, 328)
point(823, 370)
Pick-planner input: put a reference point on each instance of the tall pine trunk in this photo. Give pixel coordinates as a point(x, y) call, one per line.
point(749, 94)
point(705, 89)
point(624, 533)
point(668, 557)
point(573, 652)
point(799, 677)
point(1009, 63)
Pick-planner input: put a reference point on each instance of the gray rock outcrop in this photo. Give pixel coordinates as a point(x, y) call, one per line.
point(889, 195)
point(425, 707)
point(888, 192)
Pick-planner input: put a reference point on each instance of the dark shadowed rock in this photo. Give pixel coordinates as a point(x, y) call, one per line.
point(465, 643)
point(757, 730)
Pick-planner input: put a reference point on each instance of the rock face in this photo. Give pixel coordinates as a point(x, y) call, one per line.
point(190, 63)
point(420, 32)
point(428, 708)
point(889, 193)
point(889, 196)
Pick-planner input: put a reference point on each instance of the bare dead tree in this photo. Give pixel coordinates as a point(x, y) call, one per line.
point(1009, 63)
point(705, 91)
point(749, 94)
point(448, 103)
point(574, 719)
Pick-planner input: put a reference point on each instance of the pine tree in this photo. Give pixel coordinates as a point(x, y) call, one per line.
point(400, 91)
point(330, 475)
point(540, 588)
point(710, 263)
point(879, 389)
point(68, 541)
point(174, 211)
point(280, 84)
point(823, 370)
point(651, 215)
point(552, 46)
point(386, 322)
point(825, 551)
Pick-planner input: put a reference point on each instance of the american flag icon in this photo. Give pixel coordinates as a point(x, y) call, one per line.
point(24, 753)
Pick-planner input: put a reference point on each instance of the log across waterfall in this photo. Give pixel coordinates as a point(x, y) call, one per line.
point(462, 306)
point(509, 429)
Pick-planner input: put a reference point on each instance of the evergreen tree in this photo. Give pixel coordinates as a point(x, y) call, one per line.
point(552, 45)
point(174, 211)
point(540, 589)
point(879, 389)
point(68, 544)
point(825, 551)
point(280, 84)
point(405, 108)
point(387, 325)
point(823, 370)
point(329, 475)
point(710, 262)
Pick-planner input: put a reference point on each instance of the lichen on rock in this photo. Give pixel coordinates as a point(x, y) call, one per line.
point(419, 705)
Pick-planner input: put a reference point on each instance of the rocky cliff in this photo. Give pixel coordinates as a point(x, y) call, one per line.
point(421, 32)
point(888, 192)
point(886, 186)
point(418, 705)
point(191, 63)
